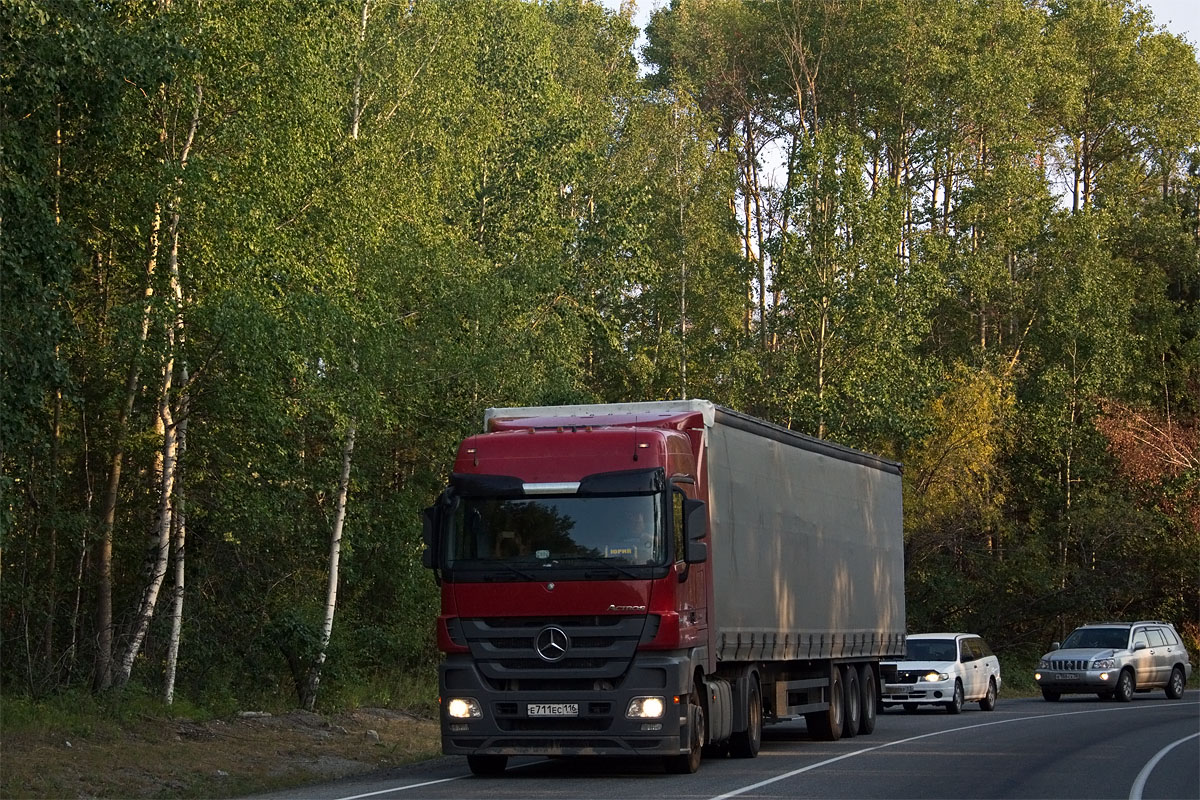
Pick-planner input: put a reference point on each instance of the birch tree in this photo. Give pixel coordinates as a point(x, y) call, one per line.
point(166, 466)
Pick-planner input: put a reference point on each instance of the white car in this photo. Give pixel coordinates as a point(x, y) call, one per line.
point(944, 669)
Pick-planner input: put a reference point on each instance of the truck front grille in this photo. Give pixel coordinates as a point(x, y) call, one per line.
point(597, 649)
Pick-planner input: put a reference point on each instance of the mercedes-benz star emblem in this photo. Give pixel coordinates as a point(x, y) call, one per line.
point(552, 643)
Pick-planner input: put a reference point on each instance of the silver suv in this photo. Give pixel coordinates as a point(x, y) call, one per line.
point(1115, 659)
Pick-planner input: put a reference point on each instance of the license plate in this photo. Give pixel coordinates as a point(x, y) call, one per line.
point(553, 709)
point(1065, 676)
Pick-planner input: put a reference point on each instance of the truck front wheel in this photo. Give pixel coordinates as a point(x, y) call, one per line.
point(689, 762)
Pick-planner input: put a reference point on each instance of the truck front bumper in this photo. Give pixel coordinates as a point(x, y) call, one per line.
point(477, 718)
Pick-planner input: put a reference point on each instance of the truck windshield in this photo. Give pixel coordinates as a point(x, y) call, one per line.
point(548, 530)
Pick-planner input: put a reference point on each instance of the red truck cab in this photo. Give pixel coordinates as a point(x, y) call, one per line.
point(573, 588)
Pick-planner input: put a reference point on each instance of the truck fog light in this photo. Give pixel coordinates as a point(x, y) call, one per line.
point(463, 708)
point(652, 726)
point(645, 708)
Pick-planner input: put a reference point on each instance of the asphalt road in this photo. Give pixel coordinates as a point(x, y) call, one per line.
point(1080, 747)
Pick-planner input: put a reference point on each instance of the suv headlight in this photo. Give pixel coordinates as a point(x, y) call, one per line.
point(934, 677)
point(1104, 663)
point(1044, 664)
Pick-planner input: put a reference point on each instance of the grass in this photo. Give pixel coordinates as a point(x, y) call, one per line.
point(130, 745)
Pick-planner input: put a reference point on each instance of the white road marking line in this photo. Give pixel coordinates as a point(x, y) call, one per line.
point(408, 786)
point(1138, 785)
point(403, 788)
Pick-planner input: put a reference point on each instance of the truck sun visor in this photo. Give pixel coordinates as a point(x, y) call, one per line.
point(627, 481)
point(471, 485)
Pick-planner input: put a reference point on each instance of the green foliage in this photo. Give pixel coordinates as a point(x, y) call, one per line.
point(981, 238)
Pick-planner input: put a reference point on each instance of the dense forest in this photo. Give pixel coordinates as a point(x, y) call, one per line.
point(264, 263)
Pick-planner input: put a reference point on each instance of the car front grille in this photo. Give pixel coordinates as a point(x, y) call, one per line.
point(1069, 663)
point(910, 676)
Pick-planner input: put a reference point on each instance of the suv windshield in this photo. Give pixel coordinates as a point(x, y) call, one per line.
point(1107, 638)
point(931, 650)
point(543, 531)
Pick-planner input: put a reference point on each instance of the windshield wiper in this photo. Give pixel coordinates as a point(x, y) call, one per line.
point(604, 563)
point(529, 576)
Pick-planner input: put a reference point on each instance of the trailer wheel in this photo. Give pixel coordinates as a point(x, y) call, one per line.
point(870, 699)
point(827, 724)
point(853, 702)
point(486, 764)
point(689, 762)
point(745, 744)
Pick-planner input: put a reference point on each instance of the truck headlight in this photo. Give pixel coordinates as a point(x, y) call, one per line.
point(1104, 663)
point(463, 708)
point(934, 677)
point(645, 708)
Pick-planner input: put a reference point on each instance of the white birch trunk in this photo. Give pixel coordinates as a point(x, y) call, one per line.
point(180, 518)
point(335, 554)
point(164, 524)
point(161, 549)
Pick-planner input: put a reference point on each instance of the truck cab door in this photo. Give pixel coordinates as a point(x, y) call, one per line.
point(690, 524)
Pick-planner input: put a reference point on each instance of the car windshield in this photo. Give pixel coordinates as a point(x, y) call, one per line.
point(931, 650)
point(1108, 638)
point(553, 529)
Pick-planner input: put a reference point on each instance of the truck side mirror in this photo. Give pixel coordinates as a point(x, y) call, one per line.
point(429, 535)
point(695, 528)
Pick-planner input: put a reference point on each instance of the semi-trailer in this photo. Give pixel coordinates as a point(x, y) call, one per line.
point(659, 579)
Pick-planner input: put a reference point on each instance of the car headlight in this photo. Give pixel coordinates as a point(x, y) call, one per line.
point(934, 677)
point(645, 708)
point(1104, 663)
point(463, 708)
